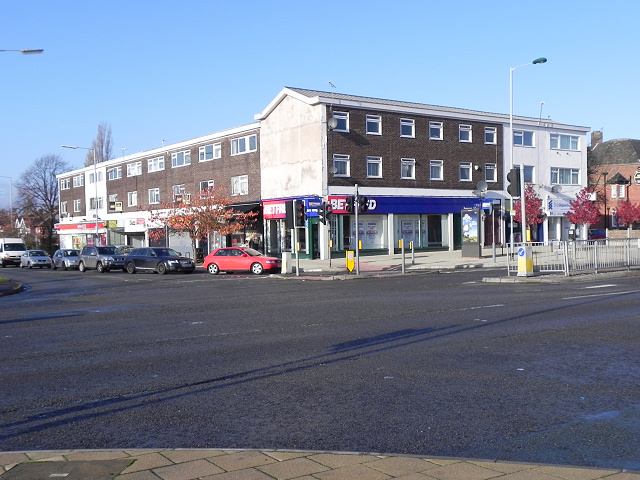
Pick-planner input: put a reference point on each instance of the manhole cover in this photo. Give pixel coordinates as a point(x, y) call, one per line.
point(92, 470)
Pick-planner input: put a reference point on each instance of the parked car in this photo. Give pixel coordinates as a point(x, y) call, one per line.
point(597, 234)
point(35, 258)
point(158, 260)
point(235, 259)
point(66, 258)
point(124, 249)
point(101, 259)
point(11, 249)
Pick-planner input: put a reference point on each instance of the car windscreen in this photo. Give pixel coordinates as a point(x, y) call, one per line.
point(14, 247)
point(37, 253)
point(166, 252)
point(71, 253)
point(108, 251)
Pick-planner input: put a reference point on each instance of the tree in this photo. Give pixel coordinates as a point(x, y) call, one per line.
point(584, 211)
point(204, 212)
point(103, 145)
point(533, 207)
point(627, 214)
point(39, 194)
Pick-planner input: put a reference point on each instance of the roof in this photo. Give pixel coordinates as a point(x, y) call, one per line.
point(621, 151)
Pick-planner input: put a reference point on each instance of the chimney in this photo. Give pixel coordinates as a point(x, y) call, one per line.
point(596, 138)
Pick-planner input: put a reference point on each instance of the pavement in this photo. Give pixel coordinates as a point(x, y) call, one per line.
point(265, 464)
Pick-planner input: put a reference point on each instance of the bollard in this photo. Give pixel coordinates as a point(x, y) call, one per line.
point(413, 253)
point(402, 253)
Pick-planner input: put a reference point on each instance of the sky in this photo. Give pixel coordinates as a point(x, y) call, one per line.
point(168, 71)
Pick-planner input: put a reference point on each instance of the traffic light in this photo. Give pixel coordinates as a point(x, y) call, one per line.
point(325, 212)
point(349, 207)
point(299, 213)
point(363, 204)
point(514, 187)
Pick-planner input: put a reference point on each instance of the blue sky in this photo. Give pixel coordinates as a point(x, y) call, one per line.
point(169, 70)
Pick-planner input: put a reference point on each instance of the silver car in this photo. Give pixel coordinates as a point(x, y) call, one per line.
point(35, 258)
point(66, 258)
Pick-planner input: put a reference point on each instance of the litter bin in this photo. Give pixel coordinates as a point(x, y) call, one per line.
point(287, 265)
point(199, 255)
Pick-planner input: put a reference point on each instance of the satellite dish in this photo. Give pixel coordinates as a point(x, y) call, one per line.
point(556, 189)
point(482, 185)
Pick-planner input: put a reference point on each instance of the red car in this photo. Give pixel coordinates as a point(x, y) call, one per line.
point(236, 259)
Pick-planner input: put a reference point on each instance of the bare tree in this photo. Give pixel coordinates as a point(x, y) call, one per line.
point(39, 194)
point(103, 145)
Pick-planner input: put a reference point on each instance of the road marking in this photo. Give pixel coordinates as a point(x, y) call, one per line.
point(601, 286)
point(600, 295)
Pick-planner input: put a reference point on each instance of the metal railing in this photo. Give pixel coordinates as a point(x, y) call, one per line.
point(579, 256)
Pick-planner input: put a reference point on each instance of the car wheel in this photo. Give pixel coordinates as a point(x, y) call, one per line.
point(65, 266)
point(30, 265)
point(257, 268)
point(54, 266)
point(100, 267)
point(131, 267)
point(162, 268)
point(213, 269)
point(81, 267)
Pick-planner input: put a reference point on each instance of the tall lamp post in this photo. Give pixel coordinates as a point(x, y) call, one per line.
point(523, 219)
point(10, 199)
point(95, 182)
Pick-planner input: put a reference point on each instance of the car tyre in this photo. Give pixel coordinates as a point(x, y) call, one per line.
point(81, 267)
point(100, 267)
point(65, 267)
point(213, 269)
point(54, 266)
point(162, 268)
point(131, 267)
point(257, 268)
point(30, 265)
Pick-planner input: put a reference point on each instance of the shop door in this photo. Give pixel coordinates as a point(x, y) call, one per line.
point(314, 250)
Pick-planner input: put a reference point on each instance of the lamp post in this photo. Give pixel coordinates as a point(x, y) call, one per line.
point(95, 182)
point(10, 199)
point(522, 183)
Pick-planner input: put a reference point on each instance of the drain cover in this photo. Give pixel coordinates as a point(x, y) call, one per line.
point(92, 470)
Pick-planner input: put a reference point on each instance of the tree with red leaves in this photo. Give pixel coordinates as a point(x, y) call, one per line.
point(207, 211)
point(584, 211)
point(533, 207)
point(627, 214)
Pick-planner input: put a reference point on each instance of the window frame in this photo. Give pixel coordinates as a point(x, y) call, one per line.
point(155, 164)
point(558, 172)
point(114, 173)
point(463, 167)
point(78, 181)
point(247, 140)
point(436, 126)
point(210, 184)
point(493, 131)
point(240, 180)
point(377, 161)
point(410, 123)
point(181, 159)
point(465, 130)
point(215, 154)
point(491, 167)
point(134, 169)
point(63, 207)
point(65, 183)
point(343, 119)
point(522, 136)
point(556, 141)
point(132, 198)
point(373, 120)
point(411, 163)
point(342, 159)
point(77, 205)
point(439, 165)
point(156, 196)
point(92, 203)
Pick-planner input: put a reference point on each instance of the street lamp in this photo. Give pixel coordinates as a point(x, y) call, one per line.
point(522, 183)
point(95, 182)
point(10, 199)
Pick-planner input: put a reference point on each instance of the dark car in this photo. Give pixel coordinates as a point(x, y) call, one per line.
point(158, 260)
point(101, 259)
point(234, 259)
point(66, 258)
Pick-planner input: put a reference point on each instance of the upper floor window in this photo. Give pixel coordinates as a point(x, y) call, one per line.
point(435, 170)
point(490, 135)
point(78, 181)
point(154, 195)
point(564, 142)
point(63, 207)
point(76, 205)
point(565, 176)
point(408, 168)
point(618, 191)
point(465, 171)
point(374, 167)
point(407, 127)
point(343, 121)
point(114, 173)
point(95, 204)
point(180, 159)
point(435, 130)
point(155, 164)
point(206, 185)
point(490, 172)
point(240, 185)
point(92, 177)
point(134, 169)
point(523, 138)
point(132, 199)
point(244, 144)
point(65, 184)
point(374, 125)
point(464, 133)
point(178, 189)
point(341, 164)
point(210, 152)
point(528, 173)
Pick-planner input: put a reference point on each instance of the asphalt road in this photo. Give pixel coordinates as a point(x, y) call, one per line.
point(433, 364)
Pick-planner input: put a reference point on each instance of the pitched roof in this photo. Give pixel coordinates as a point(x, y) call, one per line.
point(622, 151)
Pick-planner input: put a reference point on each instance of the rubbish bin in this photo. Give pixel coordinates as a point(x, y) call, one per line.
point(287, 265)
point(199, 255)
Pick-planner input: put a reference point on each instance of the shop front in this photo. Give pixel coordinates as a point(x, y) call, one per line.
point(279, 234)
point(77, 235)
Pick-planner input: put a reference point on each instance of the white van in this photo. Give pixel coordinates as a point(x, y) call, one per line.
point(11, 249)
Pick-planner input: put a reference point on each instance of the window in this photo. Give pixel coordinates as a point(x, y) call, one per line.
point(407, 128)
point(78, 181)
point(180, 159)
point(154, 195)
point(178, 190)
point(76, 205)
point(435, 170)
point(343, 121)
point(244, 145)
point(565, 176)
point(374, 125)
point(408, 168)
point(564, 142)
point(374, 167)
point(618, 191)
point(464, 133)
point(65, 184)
point(240, 185)
point(134, 169)
point(435, 130)
point(490, 172)
point(528, 173)
point(621, 191)
point(63, 207)
point(155, 164)
point(465, 171)
point(114, 173)
point(210, 152)
point(342, 165)
point(132, 199)
point(490, 135)
point(206, 185)
point(92, 177)
point(522, 138)
point(93, 205)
